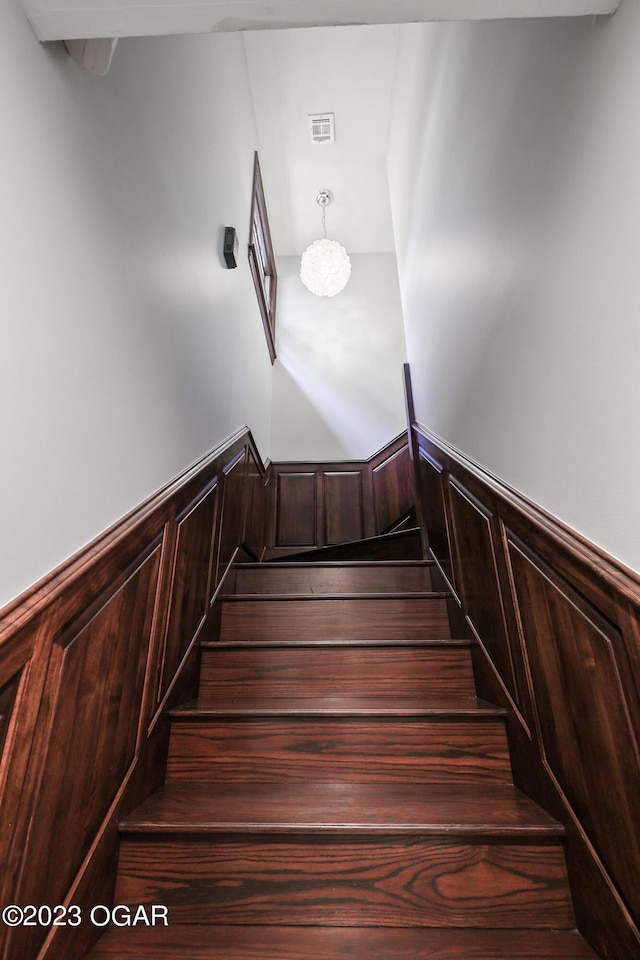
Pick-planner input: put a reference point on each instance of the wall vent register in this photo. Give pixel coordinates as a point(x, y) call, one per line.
point(322, 128)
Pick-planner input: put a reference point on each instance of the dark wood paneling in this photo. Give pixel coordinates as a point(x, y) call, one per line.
point(343, 506)
point(431, 497)
point(81, 654)
point(588, 736)
point(254, 533)
point(564, 617)
point(91, 736)
point(7, 699)
point(393, 495)
point(233, 510)
point(296, 509)
point(478, 575)
point(414, 453)
point(16, 771)
point(192, 572)
point(315, 504)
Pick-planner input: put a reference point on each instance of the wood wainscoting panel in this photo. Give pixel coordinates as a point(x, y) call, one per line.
point(343, 506)
point(393, 495)
point(254, 531)
point(478, 572)
point(296, 509)
point(564, 618)
point(16, 730)
point(90, 734)
point(431, 495)
point(22, 677)
point(233, 511)
point(82, 654)
point(585, 716)
point(7, 699)
point(191, 574)
point(319, 504)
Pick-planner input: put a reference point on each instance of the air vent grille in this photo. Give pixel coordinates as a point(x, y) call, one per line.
point(322, 128)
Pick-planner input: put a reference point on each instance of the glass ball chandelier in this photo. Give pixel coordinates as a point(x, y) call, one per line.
point(325, 267)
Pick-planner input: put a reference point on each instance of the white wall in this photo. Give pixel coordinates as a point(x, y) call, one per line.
point(515, 184)
point(347, 71)
point(128, 350)
point(337, 388)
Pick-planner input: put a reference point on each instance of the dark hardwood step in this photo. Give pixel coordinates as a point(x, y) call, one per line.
point(316, 669)
point(214, 708)
point(426, 747)
point(331, 578)
point(262, 618)
point(363, 595)
point(343, 809)
point(346, 854)
point(198, 942)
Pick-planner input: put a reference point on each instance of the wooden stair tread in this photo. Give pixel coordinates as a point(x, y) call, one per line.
point(433, 810)
point(323, 564)
point(213, 707)
point(239, 942)
point(363, 642)
point(361, 595)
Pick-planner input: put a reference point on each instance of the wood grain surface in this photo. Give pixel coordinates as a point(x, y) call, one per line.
point(313, 618)
point(461, 809)
point(385, 882)
point(418, 669)
point(559, 628)
point(86, 658)
point(336, 749)
point(316, 504)
point(319, 578)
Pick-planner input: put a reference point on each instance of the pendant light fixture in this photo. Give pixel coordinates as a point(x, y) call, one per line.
point(325, 267)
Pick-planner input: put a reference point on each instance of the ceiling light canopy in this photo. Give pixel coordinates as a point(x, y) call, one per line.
point(325, 266)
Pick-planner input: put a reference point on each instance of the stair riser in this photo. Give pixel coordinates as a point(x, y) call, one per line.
point(339, 579)
point(385, 619)
point(337, 671)
point(339, 750)
point(385, 883)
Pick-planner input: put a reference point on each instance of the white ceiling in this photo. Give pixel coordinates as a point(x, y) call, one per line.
point(81, 19)
point(347, 71)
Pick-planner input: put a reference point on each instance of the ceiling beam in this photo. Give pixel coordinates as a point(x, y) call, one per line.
point(84, 19)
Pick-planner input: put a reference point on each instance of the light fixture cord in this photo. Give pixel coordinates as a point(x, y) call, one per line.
point(324, 221)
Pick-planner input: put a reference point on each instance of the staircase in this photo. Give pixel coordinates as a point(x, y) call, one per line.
point(337, 791)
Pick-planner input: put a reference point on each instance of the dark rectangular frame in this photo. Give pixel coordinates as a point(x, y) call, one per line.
point(260, 223)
